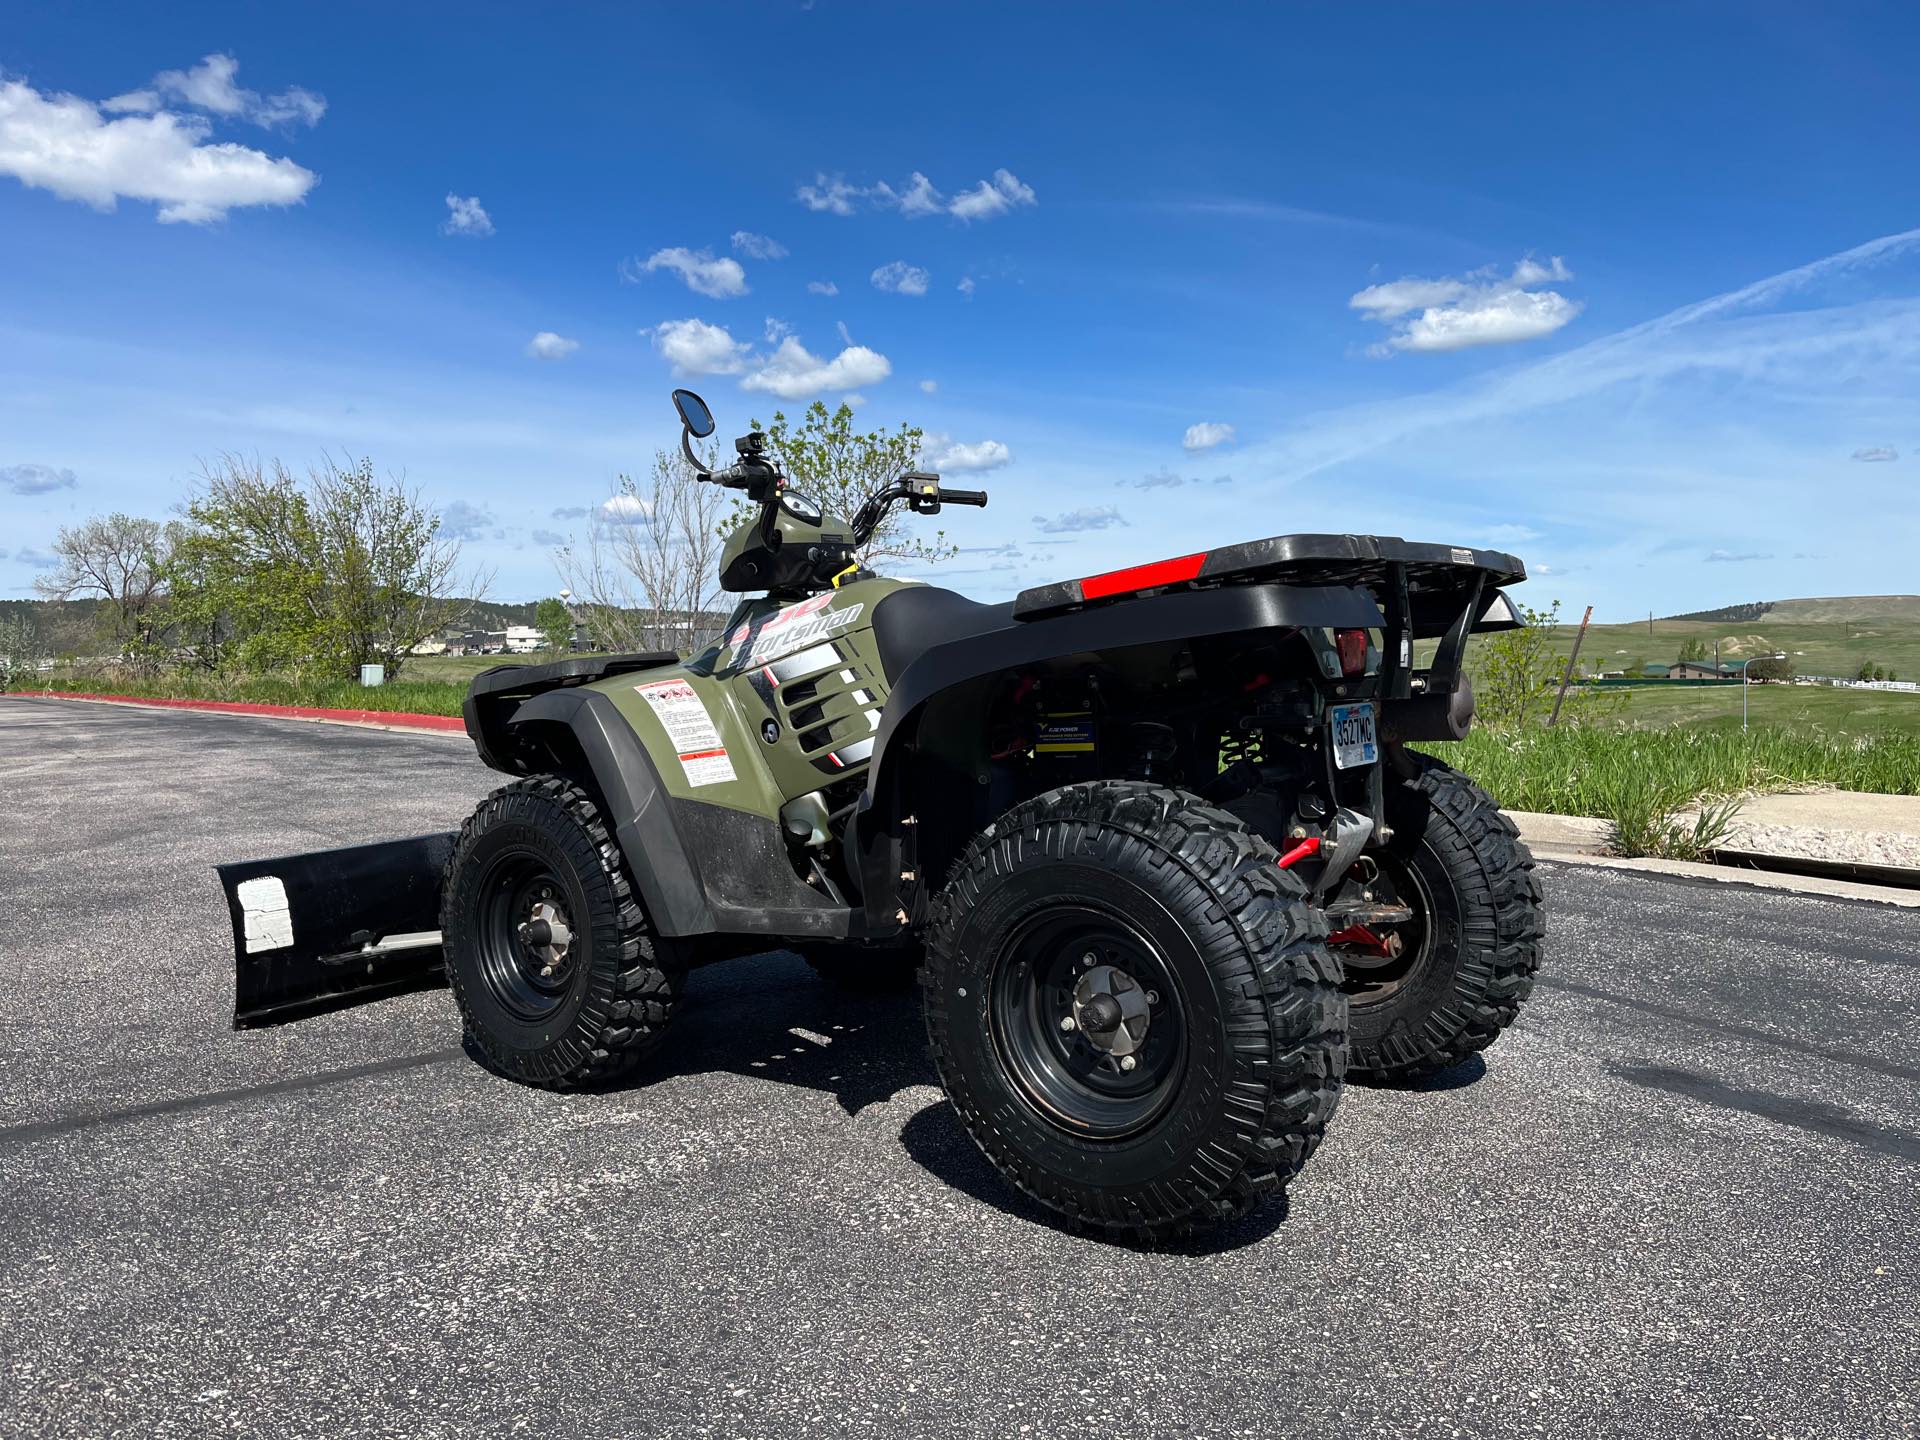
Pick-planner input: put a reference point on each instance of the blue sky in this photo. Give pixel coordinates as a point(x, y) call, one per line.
point(1632, 293)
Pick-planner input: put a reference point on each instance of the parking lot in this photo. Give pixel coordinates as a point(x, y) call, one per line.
point(1681, 1198)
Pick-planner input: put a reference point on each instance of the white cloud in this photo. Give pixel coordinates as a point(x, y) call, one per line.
point(989, 199)
point(918, 197)
point(624, 510)
point(929, 386)
point(965, 287)
point(758, 247)
point(942, 453)
point(1206, 435)
point(462, 521)
point(793, 372)
point(1478, 309)
point(1494, 320)
point(549, 346)
point(36, 479)
point(853, 400)
point(466, 216)
point(209, 86)
point(830, 193)
point(1873, 453)
point(38, 559)
point(721, 278)
point(789, 370)
point(548, 538)
point(694, 347)
point(1731, 558)
point(60, 143)
point(1092, 517)
point(822, 287)
point(900, 278)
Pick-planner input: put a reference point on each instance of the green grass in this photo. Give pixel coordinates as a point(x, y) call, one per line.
point(417, 697)
point(1595, 771)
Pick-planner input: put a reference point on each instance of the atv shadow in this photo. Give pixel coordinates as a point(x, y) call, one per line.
point(770, 1017)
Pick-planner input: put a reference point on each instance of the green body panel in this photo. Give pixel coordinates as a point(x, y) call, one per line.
point(810, 666)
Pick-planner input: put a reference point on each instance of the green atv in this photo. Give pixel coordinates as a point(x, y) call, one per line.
point(1151, 840)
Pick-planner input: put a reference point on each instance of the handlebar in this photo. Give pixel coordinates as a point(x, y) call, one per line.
point(963, 497)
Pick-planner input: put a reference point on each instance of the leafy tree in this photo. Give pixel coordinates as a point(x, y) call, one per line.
point(1866, 670)
point(552, 619)
point(839, 466)
point(336, 570)
point(120, 560)
point(1879, 672)
point(1516, 674)
point(1768, 668)
point(1694, 648)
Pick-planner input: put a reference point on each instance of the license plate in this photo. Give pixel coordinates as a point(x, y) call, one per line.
point(1354, 740)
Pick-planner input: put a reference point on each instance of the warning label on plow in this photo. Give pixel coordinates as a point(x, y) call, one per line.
point(690, 729)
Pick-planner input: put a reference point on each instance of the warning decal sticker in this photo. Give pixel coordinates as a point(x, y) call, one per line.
point(690, 730)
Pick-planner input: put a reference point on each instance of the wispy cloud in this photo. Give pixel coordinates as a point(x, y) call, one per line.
point(1090, 517)
point(1876, 453)
point(718, 278)
point(549, 346)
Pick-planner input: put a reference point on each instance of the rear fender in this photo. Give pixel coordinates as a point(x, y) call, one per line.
point(949, 675)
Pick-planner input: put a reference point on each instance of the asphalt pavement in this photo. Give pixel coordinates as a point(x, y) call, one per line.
point(1680, 1198)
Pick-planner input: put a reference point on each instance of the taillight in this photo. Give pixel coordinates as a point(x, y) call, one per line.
point(1352, 646)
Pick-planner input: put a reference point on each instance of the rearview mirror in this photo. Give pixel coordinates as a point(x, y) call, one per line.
point(693, 413)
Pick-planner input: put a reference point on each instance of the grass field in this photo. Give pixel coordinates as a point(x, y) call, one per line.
point(1815, 709)
point(1820, 637)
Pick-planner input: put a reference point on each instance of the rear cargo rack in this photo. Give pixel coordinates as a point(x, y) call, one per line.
point(1378, 562)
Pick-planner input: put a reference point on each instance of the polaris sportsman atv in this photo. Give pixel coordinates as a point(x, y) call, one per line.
point(1152, 838)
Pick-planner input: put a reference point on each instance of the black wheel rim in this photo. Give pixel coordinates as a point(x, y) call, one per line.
point(524, 970)
point(1371, 976)
point(1056, 965)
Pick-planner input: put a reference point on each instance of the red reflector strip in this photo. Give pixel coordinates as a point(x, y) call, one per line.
point(1307, 847)
point(1142, 577)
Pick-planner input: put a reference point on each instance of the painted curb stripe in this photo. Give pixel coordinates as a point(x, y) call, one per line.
point(394, 719)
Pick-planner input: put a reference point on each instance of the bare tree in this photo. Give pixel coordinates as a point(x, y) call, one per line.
point(648, 574)
point(120, 560)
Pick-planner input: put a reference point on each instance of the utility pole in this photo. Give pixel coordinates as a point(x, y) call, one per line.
point(1567, 679)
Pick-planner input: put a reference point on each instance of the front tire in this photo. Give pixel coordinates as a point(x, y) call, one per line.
point(1163, 930)
point(551, 961)
point(1467, 959)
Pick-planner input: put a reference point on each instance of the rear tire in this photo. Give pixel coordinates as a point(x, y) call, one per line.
point(1241, 1024)
point(1472, 950)
point(586, 998)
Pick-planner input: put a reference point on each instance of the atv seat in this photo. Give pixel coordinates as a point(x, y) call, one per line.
point(912, 620)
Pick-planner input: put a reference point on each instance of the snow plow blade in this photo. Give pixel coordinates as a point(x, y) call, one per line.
point(333, 928)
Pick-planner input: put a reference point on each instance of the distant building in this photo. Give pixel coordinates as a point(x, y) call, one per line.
point(1656, 672)
point(1702, 670)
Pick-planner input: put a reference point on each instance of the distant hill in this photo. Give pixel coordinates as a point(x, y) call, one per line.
point(1752, 611)
point(1848, 607)
point(1815, 609)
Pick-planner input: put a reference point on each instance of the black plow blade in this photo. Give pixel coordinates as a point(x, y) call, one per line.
point(334, 928)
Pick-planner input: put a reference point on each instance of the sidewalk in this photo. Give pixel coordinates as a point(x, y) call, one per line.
point(1845, 836)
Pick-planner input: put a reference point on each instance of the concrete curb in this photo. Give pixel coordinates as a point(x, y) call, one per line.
point(365, 719)
point(1582, 840)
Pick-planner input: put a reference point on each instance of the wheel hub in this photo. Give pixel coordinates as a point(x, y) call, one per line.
point(1111, 1010)
point(546, 934)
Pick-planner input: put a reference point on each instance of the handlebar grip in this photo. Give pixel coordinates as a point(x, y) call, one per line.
point(963, 497)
